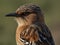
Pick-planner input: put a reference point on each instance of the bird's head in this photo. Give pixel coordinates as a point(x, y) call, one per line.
point(28, 14)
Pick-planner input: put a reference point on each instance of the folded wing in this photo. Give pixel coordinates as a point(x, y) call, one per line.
point(36, 35)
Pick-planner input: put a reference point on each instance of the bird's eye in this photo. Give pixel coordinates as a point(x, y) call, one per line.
point(25, 13)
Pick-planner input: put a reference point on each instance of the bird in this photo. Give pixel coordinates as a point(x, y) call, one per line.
point(31, 29)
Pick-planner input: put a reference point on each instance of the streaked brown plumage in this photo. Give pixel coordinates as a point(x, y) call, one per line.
point(31, 29)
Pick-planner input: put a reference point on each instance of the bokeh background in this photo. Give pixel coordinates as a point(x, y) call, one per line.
point(51, 9)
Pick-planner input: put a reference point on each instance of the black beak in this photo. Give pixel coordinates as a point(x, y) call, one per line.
point(13, 15)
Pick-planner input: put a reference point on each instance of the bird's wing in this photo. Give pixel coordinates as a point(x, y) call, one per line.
point(46, 35)
point(35, 35)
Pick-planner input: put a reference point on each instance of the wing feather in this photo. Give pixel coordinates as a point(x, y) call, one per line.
point(37, 35)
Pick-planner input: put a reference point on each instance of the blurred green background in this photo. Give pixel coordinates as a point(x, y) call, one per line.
point(51, 9)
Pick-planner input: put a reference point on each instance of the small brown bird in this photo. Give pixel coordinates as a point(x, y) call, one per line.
point(31, 29)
